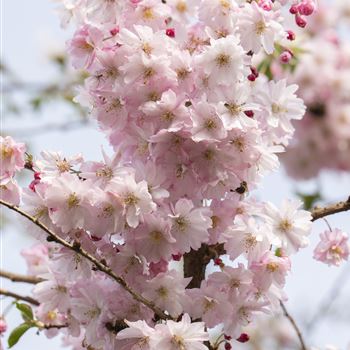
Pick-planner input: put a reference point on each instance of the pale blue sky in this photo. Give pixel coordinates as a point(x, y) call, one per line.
point(28, 28)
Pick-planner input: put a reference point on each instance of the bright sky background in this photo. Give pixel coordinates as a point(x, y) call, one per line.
point(29, 30)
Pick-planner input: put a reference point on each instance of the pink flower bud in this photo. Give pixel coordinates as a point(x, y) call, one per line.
point(265, 4)
point(177, 257)
point(228, 346)
point(290, 35)
point(218, 262)
point(306, 9)
point(300, 21)
point(114, 31)
point(293, 9)
point(251, 77)
point(3, 326)
point(249, 113)
point(170, 32)
point(243, 338)
point(254, 71)
point(285, 57)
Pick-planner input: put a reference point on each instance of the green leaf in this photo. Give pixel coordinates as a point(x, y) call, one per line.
point(309, 199)
point(26, 311)
point(17, 333)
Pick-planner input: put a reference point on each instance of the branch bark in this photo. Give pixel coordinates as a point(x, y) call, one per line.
point(320, 212)
point(99, 265)
point(196, 261)
point(14, 277)
point(19, 297)
point(295, 326)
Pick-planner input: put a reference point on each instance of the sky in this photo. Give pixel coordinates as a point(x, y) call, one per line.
point(30, 29)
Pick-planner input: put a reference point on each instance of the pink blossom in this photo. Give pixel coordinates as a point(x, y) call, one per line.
point(183, 334)
point(37, 259)
point(83, 46)
point(333, 247)
point(189, 225)
point(12, 156)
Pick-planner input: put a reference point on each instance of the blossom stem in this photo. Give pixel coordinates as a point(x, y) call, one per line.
point(14, 277)
point(295, 326)
point(19, 297)
point(99, 265)
point(320, 212)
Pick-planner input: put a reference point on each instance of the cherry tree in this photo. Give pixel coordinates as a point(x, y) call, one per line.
point(161, 245)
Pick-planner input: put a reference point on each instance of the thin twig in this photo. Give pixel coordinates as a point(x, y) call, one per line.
point(328, 301)
point(295, 326)
point(99, 265)
point(19, 297)
point(320, 212)
point(14, 277)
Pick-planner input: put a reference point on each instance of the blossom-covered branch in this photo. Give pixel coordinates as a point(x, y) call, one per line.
point(99, 265)
point(14, 277)
point(320, 212)
point(19, 297)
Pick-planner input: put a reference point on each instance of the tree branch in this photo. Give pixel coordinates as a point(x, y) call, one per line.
point(196, 261)
point(99, 265)
point(19, 297)
point(320, 212)
point(295, 326)
point(14, 277)
point(329, 299)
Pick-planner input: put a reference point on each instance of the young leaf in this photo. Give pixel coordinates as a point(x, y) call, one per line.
point(17, 333)
point(26, 311)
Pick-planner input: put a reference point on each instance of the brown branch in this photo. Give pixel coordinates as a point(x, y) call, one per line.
point(99, 265)
point(320, 212)
point(196, 261)
point(295, 326)
point(19, 297)
point(14, 277)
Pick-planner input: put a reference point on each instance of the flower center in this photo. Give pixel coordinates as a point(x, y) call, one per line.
point(182, 73)
point(337, 251)
point(130, 199)
point(250, 241)
point(238, 143)
point(210, 124)
point(62, 166)
point(233, 108)
point(73, 200)
point(181, 223)
point(147, 48)
point(222, 60)
point(181, 6)
point(106, 172)
point(6, 152)
point(260, 27)
point(276, 109)
point(272, 267)
point(285, 226)
point(168, 116)
point(178, 342)
point(147, 13)
point(162, 292)
point(156, 235)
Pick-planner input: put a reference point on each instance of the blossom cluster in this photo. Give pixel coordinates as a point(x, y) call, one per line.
point(194, 129)
point(322, 138)
point(12, 161)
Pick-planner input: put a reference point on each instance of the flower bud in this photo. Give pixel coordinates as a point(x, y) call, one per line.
point(170, 32)
point(285, 56)
point(300, 21)
point(243, 338)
